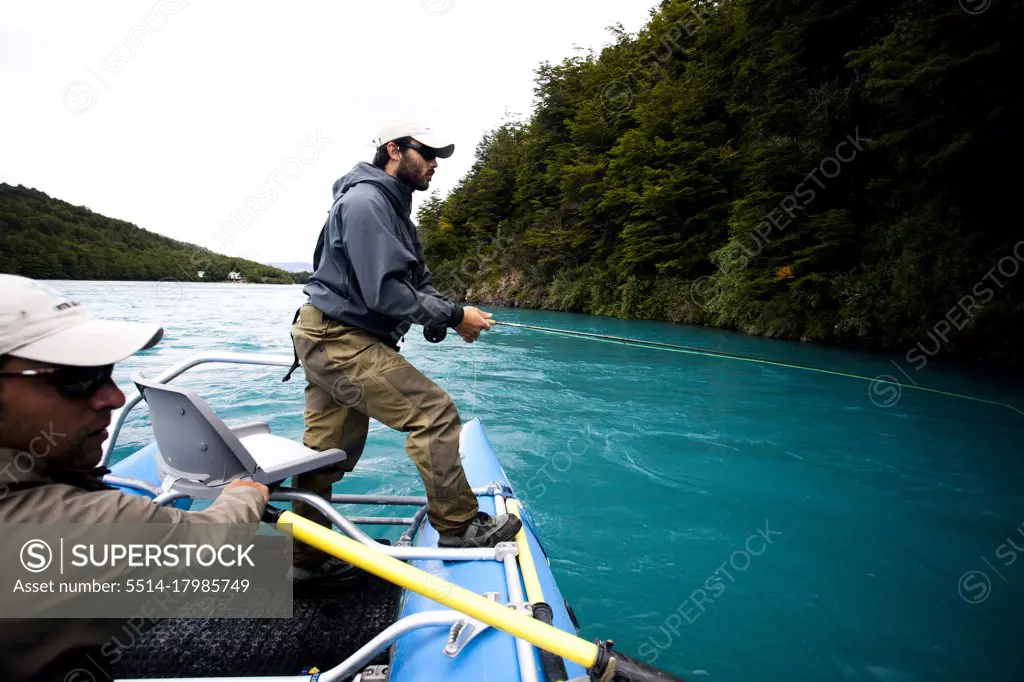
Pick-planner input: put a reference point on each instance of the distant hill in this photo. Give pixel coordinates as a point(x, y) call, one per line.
point(46, 238)
point(293, 267)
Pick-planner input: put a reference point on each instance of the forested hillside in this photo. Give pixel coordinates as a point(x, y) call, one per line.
point(46, 238)
point(842, 171)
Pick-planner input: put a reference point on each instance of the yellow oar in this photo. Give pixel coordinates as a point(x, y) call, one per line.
point(554, 667)
point(534, 593)
point(598, 658)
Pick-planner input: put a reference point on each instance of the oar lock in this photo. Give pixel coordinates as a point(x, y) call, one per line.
point(465, 630)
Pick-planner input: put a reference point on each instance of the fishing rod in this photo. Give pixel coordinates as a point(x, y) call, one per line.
point(692, 350)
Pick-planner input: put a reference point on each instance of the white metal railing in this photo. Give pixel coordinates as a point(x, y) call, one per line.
point(177, 370)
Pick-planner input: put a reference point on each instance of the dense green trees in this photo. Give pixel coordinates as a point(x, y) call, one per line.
point(800, 169)
point(45, 238)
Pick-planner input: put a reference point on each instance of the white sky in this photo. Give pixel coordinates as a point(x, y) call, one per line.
point(177, 134)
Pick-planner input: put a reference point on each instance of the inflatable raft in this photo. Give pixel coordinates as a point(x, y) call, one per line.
point(367, 629)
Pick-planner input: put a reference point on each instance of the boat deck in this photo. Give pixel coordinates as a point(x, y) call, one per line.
point(328, 625)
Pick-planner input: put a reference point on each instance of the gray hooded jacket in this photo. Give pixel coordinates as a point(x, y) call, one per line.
point(369, 270)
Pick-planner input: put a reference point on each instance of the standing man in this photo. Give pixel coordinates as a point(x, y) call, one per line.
point(369, 286)
point(56, 400)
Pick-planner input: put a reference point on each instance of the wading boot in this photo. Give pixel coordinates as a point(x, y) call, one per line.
point(483, 531)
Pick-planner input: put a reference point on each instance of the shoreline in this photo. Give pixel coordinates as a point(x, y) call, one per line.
point(1005, 370)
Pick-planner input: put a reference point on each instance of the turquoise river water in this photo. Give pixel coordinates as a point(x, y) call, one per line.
point(720, 519)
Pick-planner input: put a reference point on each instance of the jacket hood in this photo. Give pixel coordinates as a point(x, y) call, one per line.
point(367, 172)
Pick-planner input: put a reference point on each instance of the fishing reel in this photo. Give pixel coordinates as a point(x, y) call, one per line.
point(435, 334)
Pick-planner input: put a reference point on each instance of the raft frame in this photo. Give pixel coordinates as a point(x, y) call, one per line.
point(458, 623)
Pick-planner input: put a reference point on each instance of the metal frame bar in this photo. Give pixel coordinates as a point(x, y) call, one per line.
point(168, 497)
point(353, 663)
point(382, 520)
point(136, 483)
point(409, 534)
point(408, 500)
point(179, 369)
point(403, 553)
point(162, 498)
point(389, 636)
point(348, 526)
point(524, 650)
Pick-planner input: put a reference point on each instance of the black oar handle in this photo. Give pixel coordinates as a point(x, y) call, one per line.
point(271, 514)
point(553, 665)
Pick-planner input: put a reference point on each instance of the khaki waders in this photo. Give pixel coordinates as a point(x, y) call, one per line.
point(352, 375)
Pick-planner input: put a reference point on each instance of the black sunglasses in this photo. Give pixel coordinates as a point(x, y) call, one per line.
point(428, 153)
point(71, 382)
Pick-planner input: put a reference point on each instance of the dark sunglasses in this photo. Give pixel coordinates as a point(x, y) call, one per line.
point(71, 382)
point(428, 153)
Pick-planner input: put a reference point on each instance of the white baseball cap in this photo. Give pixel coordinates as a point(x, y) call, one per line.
point(38, 323)
point(420, 133)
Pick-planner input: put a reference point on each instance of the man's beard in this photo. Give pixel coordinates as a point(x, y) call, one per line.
point(73, 450)
point(412, 174)
point(81, 457)
point(52, 448)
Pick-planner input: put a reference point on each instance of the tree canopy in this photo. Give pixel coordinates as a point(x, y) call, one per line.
point(799, 169)
point(45, 238)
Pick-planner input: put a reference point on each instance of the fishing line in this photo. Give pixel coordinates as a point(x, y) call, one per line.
point(476, 365)
point(691, 350)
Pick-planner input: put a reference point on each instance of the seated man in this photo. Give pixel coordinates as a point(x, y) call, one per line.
point(56, 399)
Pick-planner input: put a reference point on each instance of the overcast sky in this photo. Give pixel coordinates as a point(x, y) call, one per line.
point(181, 116)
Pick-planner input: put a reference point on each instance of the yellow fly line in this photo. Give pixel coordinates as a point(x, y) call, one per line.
point(673, 348)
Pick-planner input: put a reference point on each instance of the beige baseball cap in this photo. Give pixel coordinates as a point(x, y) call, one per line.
point(38, 323)
point(421, 133)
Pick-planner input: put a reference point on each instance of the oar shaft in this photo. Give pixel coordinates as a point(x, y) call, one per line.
point(430, 586)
